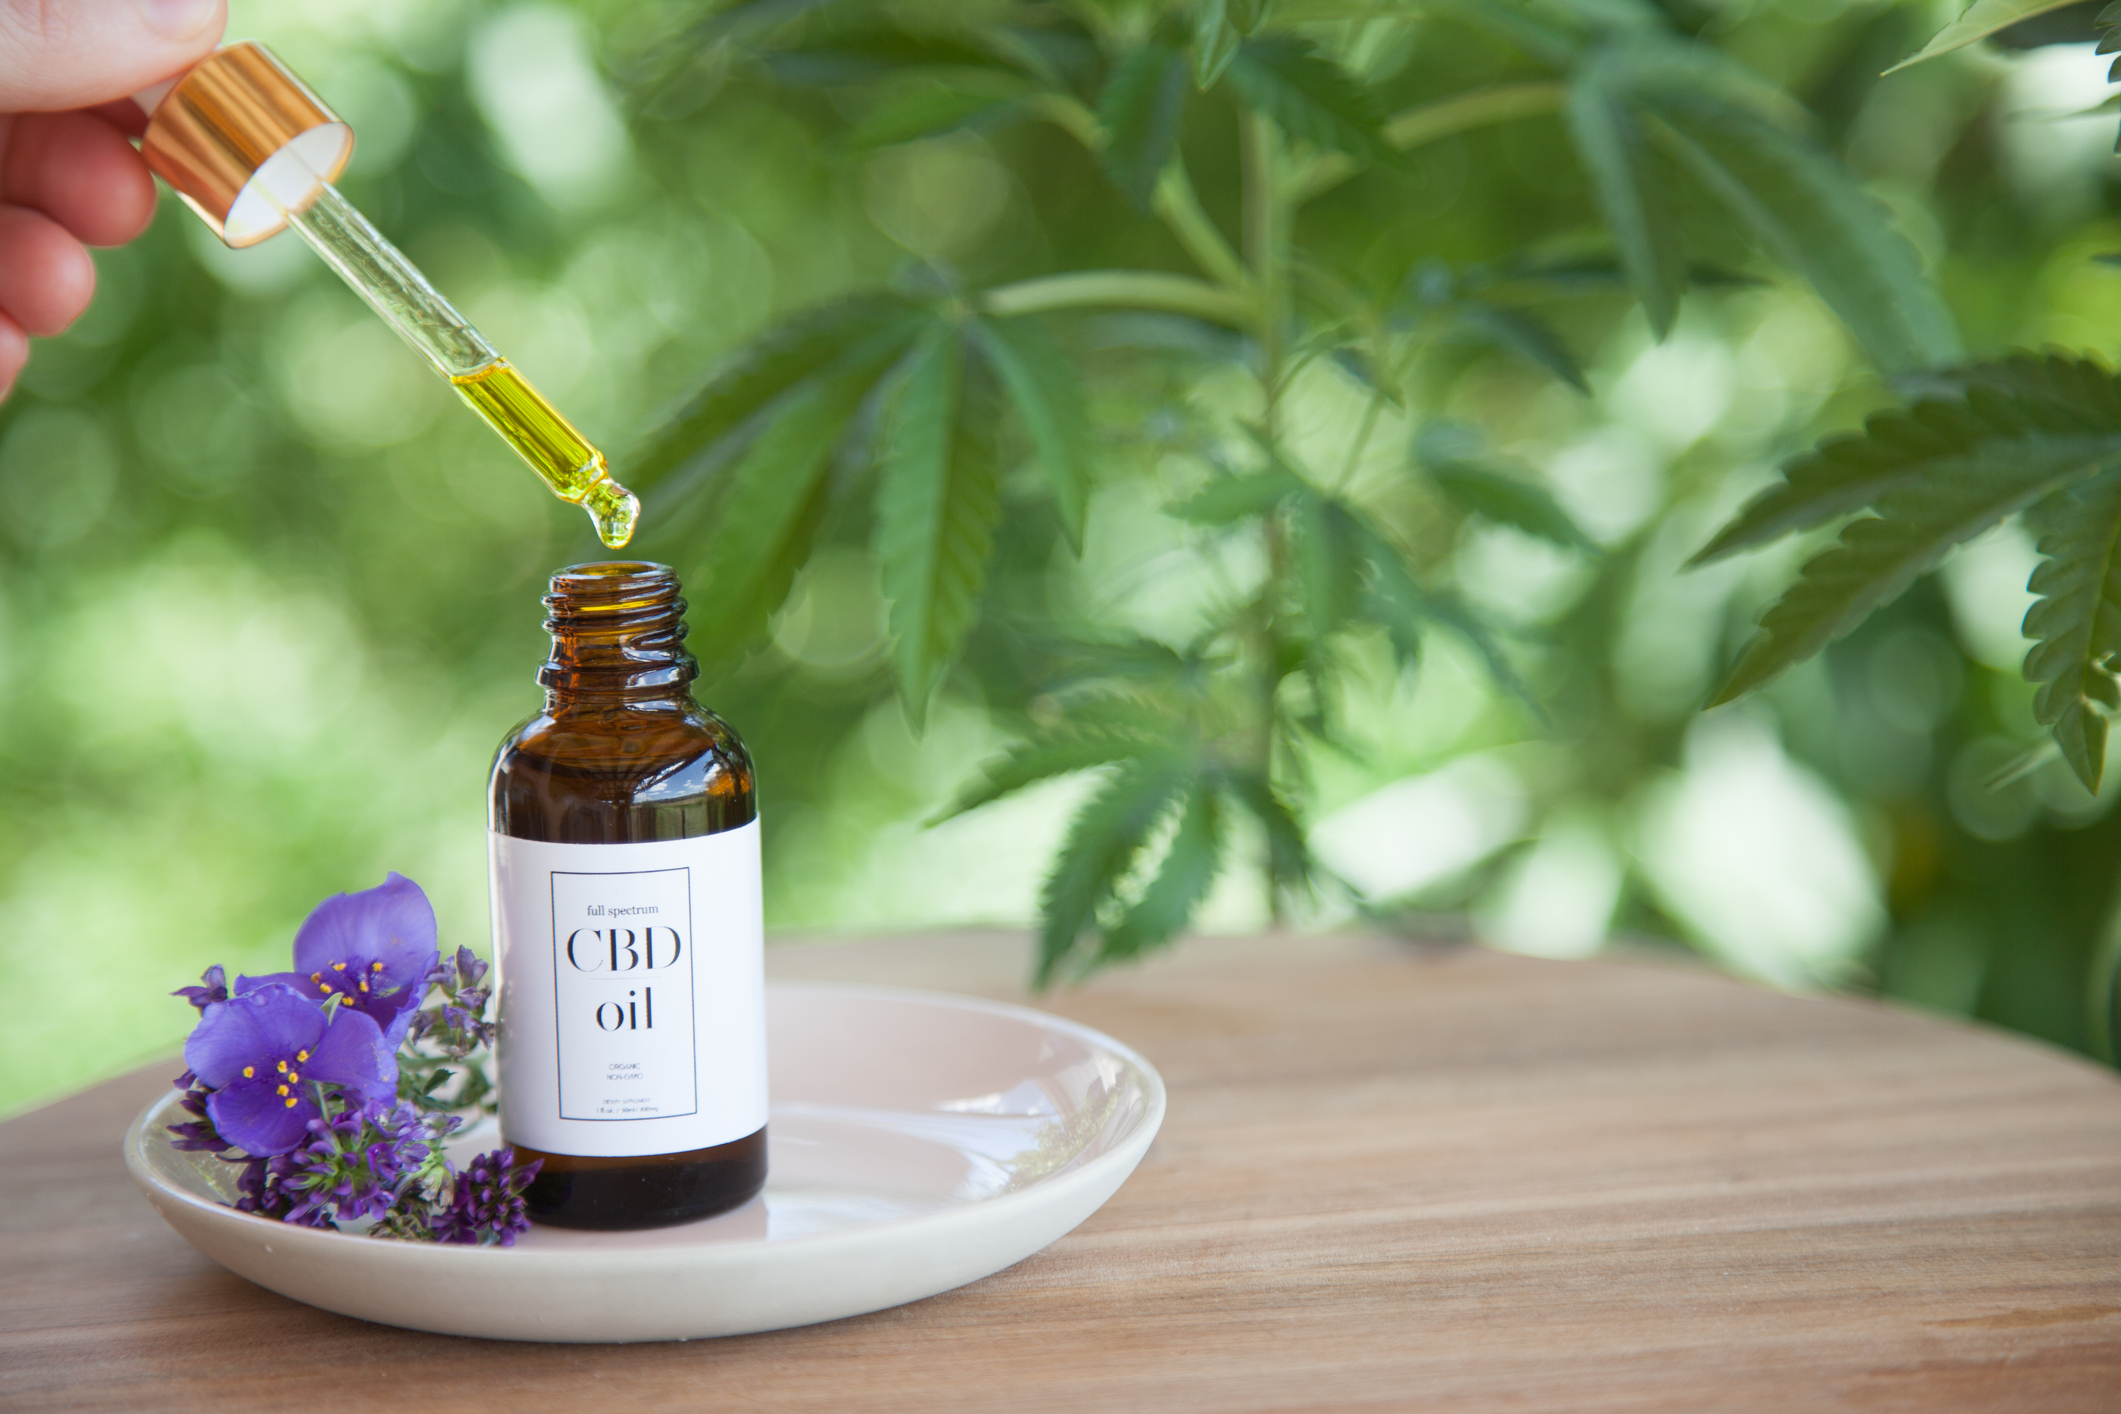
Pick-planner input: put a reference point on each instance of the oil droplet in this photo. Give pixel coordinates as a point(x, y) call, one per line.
point(613, 510)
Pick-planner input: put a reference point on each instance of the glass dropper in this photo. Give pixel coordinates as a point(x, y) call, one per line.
point(395, 289)
point(250, 149)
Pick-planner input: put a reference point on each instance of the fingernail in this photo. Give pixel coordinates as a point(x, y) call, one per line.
point(178, 19)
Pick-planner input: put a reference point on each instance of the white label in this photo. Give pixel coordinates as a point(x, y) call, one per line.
point(632, 993)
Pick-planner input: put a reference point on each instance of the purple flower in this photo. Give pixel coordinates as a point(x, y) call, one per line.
point(198, 1135)
point(488, 1205)
point(214, 990)
point(375, 948)
point(265, 1051)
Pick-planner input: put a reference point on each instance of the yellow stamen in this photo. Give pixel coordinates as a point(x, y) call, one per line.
point(292, 1103)
point(316, 976)
point(283, 1090)
point(250, 1072)
point(325, 988)
point(283, 1065)
point(294, 1075)
point(301, 1055)
point(375, 967)
point(364, 984)
point(338, 967)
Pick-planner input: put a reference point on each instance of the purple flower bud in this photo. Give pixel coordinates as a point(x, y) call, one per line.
point(215, 988)
point(488, 1205)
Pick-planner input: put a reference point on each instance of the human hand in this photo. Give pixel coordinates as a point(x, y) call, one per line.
point(68, 177)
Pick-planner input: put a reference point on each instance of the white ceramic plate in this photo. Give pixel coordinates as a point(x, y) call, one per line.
point(918, 1141)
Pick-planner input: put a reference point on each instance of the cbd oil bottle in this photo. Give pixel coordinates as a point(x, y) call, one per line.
point(626, 902)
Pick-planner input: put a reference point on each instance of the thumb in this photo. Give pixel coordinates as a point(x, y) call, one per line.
point(61, 54)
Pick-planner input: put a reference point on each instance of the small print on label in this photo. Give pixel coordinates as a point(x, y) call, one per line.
point(622, 947)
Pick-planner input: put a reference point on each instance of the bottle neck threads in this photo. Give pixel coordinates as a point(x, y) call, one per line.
point(618, 635)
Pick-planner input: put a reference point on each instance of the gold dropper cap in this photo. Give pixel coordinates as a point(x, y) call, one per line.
point(244, 142)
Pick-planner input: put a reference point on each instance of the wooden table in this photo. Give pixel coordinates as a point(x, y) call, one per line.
point(1392, 1177)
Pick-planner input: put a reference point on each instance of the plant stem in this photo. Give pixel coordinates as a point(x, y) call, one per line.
point(1181, 211)
point(1498, 103)
point(1265, 222)
point(1175, 203)
point(1361, 440)
point(1125, 289)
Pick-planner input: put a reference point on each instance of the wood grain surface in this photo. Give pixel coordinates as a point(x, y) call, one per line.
point(1392, 1177)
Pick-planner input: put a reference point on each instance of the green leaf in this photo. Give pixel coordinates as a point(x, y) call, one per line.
point(1309, 96)
point(860, 53)
point(1140, 110)
point(769, 504)
point(2076, 622)
point(1407, 610)
point(1047, 392)
point(1328, 564)
point(1045, 758)
point(1878, 556)
point(1812, 213)
point(1182, 880)
point(801, 346)
point(937, 501)
point(1230, 499)
point(1289, 865)
point(2023, 400)
point(1629, 189)
point(1102, 843)
point(1982, 19)
point(923, 109)
point(1531, 339)
point(1215, 40)
point(1512, 501)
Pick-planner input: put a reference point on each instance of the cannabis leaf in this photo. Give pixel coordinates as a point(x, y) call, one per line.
point(1806, 208)
point(1102, 844)
point(1936, 475)
point(1047, 392)
point(1215, 40)
point(1525, 335)
point(769, 505)
point(1629, 187)
point(853, 330)
point(1996, 407)
point(1060, 754)
point(1636, 97)
point(1981, 19)
point(1190, 863)
point(938, 498)
point(2076, 622)
point(1309, 96)
point(1510, 500)
point(1140, 109)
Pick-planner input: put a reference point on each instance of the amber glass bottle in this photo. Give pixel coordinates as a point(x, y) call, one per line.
point(627, 921)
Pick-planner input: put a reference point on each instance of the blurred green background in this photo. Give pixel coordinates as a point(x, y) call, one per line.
point(269, 593)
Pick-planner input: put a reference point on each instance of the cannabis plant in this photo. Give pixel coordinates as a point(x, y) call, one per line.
point(955, 413)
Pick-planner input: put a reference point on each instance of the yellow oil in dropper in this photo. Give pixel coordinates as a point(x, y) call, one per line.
point(562, 456)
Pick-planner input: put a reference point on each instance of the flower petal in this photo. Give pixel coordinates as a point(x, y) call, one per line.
point(353, 1053)
point(295, 980)
point(256, 1118)
point(253, 1029)
point(392, 923)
